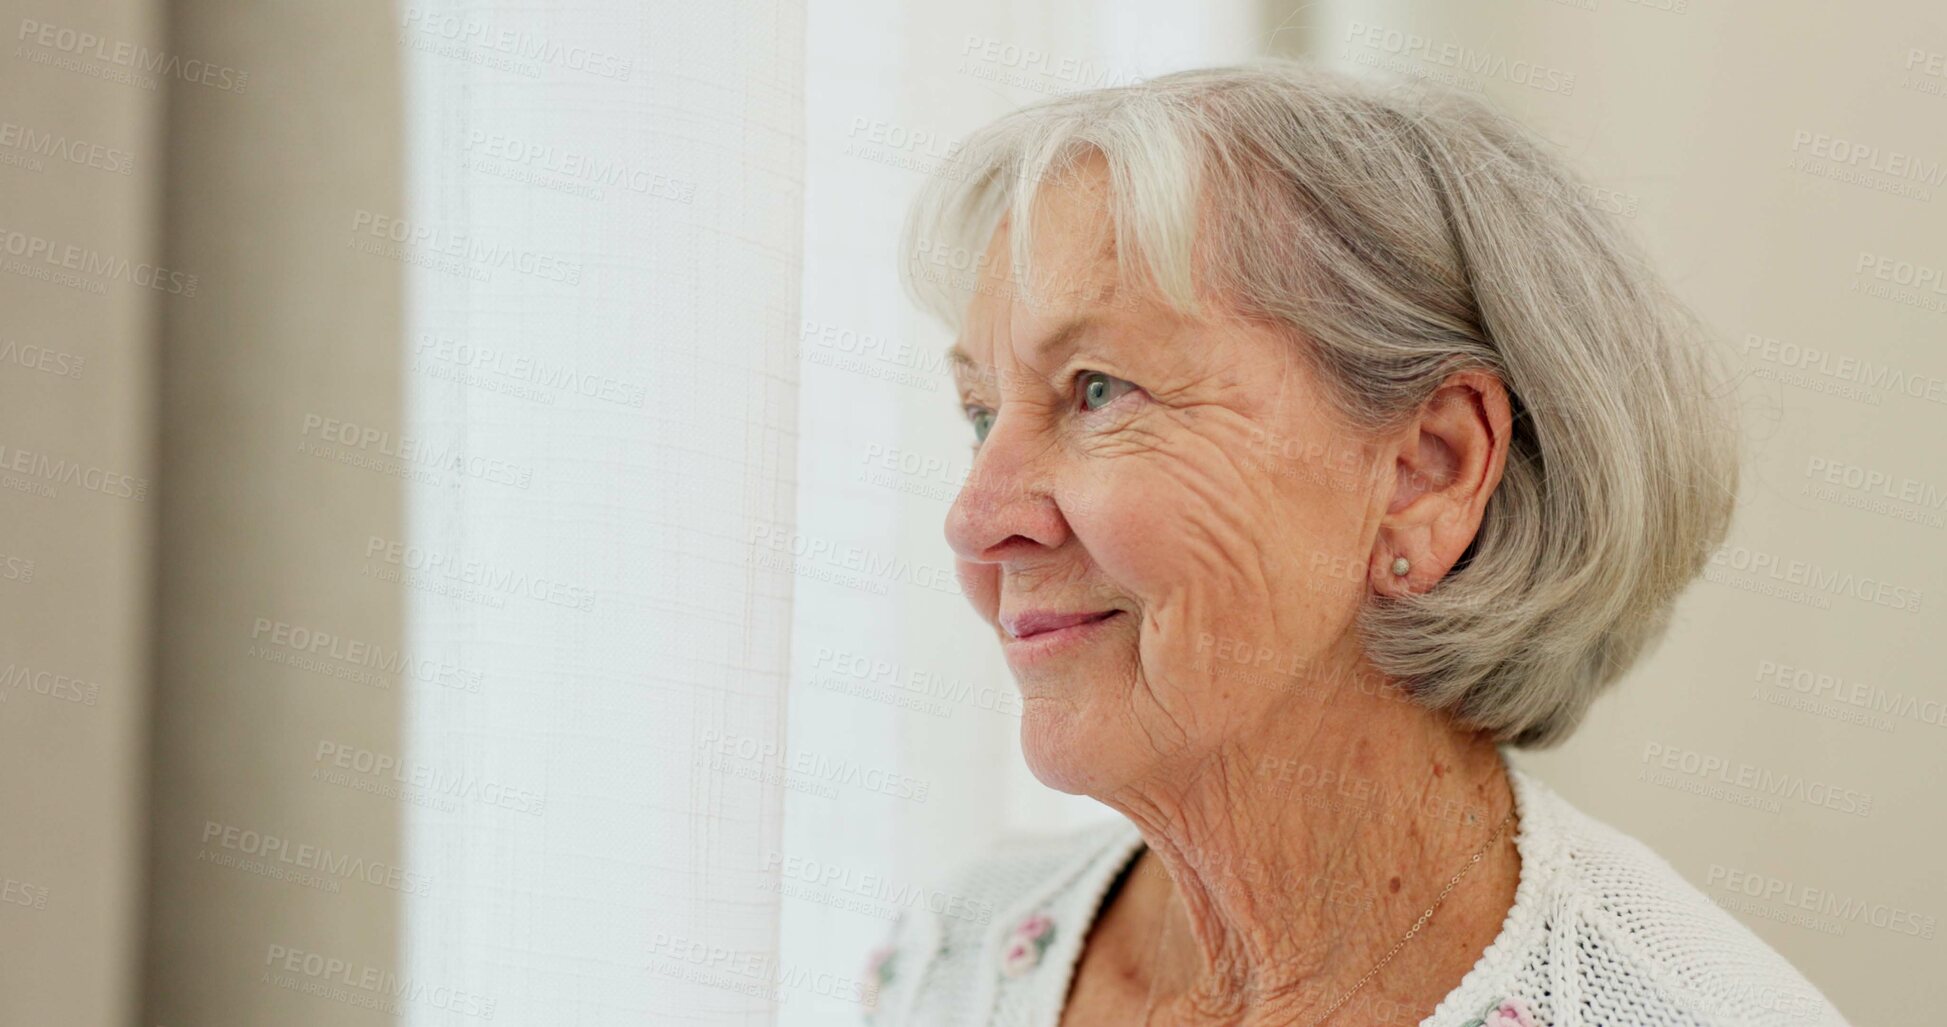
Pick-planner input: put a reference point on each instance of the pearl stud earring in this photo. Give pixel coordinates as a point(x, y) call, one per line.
point(1400, 566)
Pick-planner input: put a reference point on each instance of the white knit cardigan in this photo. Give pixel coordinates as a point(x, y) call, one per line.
point(1602, 932)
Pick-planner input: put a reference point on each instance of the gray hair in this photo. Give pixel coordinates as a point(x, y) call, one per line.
point(1403, 232)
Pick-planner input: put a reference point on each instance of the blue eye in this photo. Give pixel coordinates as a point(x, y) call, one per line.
point(1099, 390)
point(983, 422)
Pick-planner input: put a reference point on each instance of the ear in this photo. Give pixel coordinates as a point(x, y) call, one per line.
point(1449, 461)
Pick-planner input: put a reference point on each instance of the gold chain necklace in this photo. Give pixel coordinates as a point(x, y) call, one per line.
point(1421, 922)
point(1473, 861)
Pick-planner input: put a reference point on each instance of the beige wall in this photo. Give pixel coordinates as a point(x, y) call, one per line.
point(1704, 119)
point(76, 371)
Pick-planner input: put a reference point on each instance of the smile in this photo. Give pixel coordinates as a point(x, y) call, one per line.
point(1035, 636)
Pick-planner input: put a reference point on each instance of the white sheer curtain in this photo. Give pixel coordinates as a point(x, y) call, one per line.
point(604, 229)
point(607, 257)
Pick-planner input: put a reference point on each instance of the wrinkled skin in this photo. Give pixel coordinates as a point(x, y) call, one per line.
point(1234, 523)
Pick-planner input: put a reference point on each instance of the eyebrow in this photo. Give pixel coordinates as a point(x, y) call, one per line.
point(1061, 339)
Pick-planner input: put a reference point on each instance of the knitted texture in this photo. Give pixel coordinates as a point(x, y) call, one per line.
point(1602, 932)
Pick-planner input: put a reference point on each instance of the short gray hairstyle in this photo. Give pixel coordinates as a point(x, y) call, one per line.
point(1403, 232)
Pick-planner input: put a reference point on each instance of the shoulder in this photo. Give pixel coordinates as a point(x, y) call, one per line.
point(946, 963)
point(1647, 946)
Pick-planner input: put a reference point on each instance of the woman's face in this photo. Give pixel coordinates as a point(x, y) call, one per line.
point(1183, 485)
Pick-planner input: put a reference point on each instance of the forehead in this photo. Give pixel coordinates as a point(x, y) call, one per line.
point(1071, 268)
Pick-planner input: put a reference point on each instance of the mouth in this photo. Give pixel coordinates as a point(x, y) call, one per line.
point(1033, 639)
point(1036, 623)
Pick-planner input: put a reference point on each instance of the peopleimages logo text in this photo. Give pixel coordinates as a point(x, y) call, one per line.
point(1738, 774)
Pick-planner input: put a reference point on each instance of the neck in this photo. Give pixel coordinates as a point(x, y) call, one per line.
point(1297, 859)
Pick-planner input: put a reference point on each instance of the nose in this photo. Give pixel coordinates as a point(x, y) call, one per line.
point(1007, 505)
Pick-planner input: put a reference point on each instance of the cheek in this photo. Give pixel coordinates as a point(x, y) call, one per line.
point(1154, 523)
point(1226, 533)
point(1129, 523)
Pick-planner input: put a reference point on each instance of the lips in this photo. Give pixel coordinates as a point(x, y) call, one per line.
point(1036, 622)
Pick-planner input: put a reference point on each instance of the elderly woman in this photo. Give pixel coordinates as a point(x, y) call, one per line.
point(1326, 442)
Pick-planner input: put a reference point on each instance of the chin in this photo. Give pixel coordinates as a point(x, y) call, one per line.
point(1066, 748)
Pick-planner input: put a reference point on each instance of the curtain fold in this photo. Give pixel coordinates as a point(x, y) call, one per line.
point(277, 873)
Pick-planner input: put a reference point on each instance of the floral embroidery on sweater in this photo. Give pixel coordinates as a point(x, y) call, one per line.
point(1509, 1012)
point(878, 972)
point(1023, 949)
